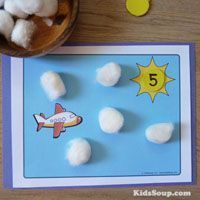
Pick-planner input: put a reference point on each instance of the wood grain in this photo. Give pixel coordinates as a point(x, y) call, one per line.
point(108, 21)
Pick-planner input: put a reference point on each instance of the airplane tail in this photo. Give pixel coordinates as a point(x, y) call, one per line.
point(40, 119)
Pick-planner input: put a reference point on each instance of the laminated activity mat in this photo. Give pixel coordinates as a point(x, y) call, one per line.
point(156, 86)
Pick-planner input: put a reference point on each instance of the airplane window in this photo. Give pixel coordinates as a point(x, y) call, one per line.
point(72, 115)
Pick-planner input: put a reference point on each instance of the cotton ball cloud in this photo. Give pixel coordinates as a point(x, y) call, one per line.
point(49, 8)
point(109, 74)
point(30, 6)
point(13, 9)
point(52, 85)
point(1, 3)
point(110, 120)
point(23, 33)
point(6, 24)
point(79, 152)
point(159, 133)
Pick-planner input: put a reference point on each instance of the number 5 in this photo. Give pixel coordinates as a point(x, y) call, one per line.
point(153, 80)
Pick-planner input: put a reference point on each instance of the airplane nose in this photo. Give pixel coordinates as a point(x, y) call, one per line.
point(79, 120)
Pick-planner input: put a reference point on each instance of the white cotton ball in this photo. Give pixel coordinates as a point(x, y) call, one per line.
point(23, 33)
point(110, 120)
point(1, 3)
point(13, 9)
point(30, 6)
point(109, 74)
point(50, 8)
point(79, 152)
point(159, 133)
point(48, 21)
point(6, 24)
point(53, 85)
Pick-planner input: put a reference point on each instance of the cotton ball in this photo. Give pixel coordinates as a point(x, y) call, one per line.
point(13, 9)
point(48, 21)
point(30, 6)
point(109, 74)
point(23, 33)
point(110, 120)
point(53, 85)
point(50, 8)
point(79, 152)
point(1, 3)
point(159, 133)
point(6, 24)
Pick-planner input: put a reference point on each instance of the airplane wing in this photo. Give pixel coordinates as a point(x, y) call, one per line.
point(59, 109)
point(58, 128)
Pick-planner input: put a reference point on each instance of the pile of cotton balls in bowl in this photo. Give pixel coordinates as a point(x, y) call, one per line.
point(15, 24)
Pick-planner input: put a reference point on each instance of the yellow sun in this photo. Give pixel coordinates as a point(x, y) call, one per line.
point(152, 79)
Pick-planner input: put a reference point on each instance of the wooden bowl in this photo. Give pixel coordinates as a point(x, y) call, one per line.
point(46, 38)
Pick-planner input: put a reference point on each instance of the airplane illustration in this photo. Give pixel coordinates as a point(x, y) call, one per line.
point(59, 121)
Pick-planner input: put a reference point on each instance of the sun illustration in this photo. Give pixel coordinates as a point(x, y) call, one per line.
point(152, 79)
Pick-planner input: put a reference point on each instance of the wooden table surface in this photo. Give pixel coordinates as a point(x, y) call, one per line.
point(108, 21)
